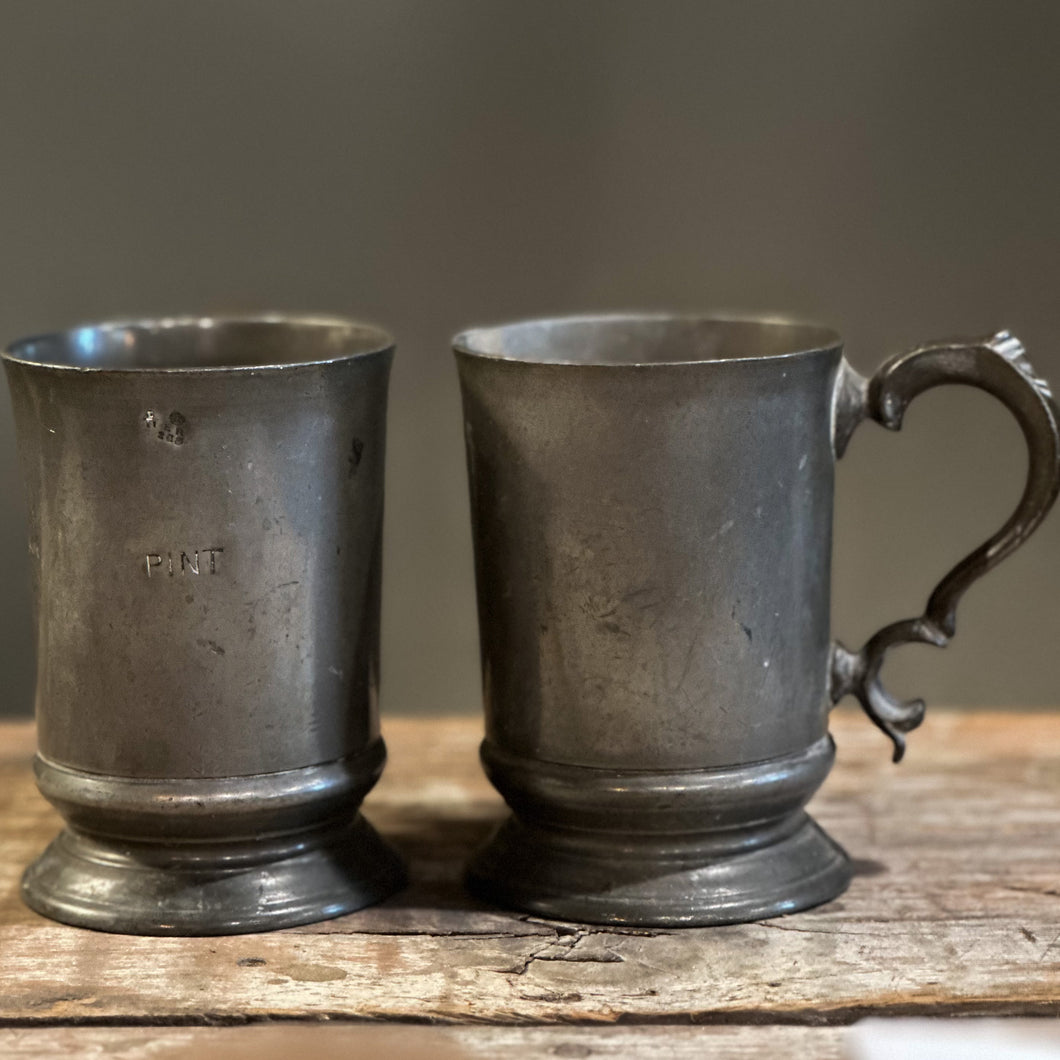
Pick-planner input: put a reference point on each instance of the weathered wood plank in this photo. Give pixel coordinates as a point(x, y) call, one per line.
point(956, 909)
point(919, 1039)
point(335, 1042)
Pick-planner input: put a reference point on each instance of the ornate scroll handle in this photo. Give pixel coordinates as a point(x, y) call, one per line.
point(999, 366)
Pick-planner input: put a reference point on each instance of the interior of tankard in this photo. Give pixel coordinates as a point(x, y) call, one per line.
point(192, 343)
point(644, 339)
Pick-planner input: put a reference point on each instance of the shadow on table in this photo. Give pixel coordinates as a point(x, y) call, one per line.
point(436, 844)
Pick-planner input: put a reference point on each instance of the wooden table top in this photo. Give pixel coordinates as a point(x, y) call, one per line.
point(954, 910)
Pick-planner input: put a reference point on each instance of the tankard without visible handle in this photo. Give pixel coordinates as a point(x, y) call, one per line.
point(652, 513)
point(205, 519)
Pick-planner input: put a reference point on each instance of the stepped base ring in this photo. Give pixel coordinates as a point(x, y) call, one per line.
point(658, 848)
point(211, 889)
point(212, 855)
point(527, 869)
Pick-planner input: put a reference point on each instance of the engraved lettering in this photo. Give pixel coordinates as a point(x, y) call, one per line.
point(183, 562)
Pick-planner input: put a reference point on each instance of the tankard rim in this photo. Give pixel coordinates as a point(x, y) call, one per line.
point(326, 339)
point(485, 342)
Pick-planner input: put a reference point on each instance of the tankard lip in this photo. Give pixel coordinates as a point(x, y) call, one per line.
point(370, 340)
point(819, 339)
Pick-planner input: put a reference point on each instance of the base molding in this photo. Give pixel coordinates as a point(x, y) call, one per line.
point(211, 889)
point(524, 868)
point(211, 856)
point(660, 848)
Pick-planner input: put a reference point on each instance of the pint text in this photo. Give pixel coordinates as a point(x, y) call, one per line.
point(183, 563)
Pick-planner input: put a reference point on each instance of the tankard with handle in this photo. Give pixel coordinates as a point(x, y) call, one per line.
point(652, 513)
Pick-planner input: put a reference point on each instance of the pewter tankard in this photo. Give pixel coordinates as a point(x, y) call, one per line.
point(205, 515)
point(652, 512)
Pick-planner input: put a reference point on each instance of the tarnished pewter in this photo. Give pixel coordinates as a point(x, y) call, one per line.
point(652, 512)
point(205, 518)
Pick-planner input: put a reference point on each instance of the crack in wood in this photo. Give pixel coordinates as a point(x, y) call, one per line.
point(570, 929)
point(1045, 892)
point(428, 933)
point(835, 1016)
point(1049, 948)
point(567, 943)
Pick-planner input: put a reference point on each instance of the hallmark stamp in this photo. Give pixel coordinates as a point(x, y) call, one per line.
point(196, 561)
point(171, 428)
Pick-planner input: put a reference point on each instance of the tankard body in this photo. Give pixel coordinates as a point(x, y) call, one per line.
point(652, 514)
point(205, 515)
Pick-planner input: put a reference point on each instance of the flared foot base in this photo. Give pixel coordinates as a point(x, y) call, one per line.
point(593, 879)
point(211, 888)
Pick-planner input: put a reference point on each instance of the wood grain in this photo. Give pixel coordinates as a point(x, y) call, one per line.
point(404, 1042)
point(955, 910)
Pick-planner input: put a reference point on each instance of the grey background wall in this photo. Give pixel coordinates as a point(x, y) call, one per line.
point(891, 169)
